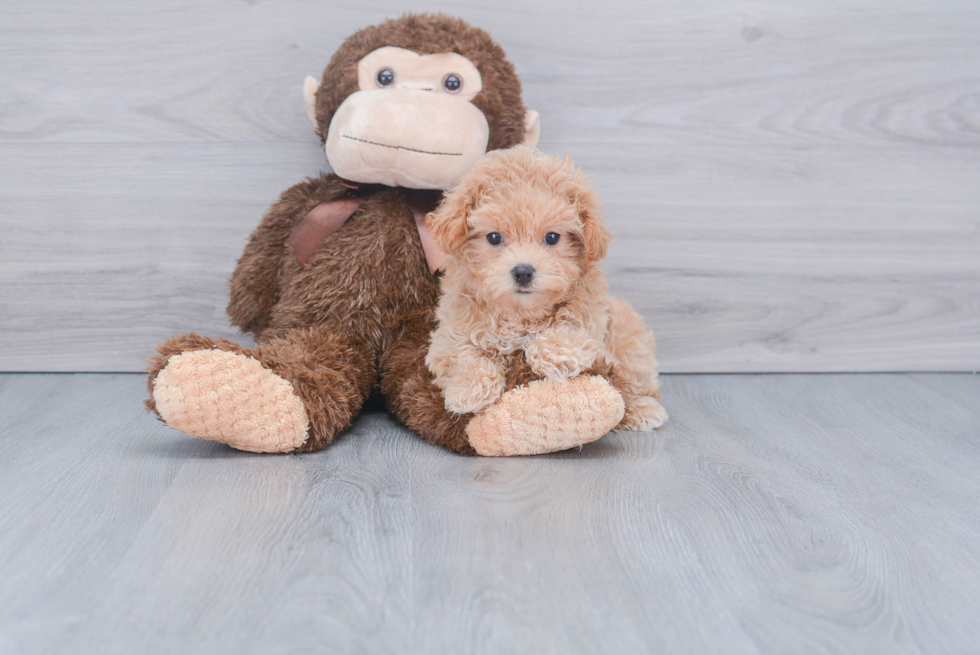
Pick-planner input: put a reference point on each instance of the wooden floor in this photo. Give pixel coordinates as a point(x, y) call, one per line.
point(773, 514)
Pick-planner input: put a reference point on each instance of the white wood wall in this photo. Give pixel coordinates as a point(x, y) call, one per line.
point(792, 186)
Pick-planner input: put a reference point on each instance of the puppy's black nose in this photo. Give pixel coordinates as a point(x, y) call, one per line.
point(523, 275)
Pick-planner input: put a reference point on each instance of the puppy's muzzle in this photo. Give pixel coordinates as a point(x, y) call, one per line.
point(523, 275)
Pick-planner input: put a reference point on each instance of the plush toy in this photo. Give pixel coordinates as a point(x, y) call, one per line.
point(338, 283)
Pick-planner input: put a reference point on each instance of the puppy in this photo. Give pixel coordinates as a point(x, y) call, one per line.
point(524, 237)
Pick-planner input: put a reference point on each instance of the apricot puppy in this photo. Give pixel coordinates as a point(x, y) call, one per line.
point(524, 237)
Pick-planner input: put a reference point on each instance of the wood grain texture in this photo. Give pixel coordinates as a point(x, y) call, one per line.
point(773, 514)
point(791, 186)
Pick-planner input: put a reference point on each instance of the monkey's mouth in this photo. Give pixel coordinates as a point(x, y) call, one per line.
point(385, 145)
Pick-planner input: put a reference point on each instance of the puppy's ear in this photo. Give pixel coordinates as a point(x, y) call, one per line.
point(595, 236)
point(450, 221)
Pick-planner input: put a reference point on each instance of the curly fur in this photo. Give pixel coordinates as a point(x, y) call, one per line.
point(564, 321)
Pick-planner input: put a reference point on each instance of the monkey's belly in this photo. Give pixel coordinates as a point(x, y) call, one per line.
point(362, 280)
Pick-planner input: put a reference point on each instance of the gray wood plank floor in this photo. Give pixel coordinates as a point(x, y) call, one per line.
point(773, 514)
point(792, 185)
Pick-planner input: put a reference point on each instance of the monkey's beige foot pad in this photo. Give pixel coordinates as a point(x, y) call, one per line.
point(231, 398)
point(547, 416)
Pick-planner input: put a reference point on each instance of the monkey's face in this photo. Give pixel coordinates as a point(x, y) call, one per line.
point(411, 123)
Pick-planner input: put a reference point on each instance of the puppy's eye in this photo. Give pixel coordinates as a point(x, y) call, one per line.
point(385, 77)
point(494, 238)
point(552, 238)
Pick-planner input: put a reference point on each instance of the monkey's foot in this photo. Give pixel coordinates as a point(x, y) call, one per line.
point(643, 414)
point(229, 397)
point(547, 416)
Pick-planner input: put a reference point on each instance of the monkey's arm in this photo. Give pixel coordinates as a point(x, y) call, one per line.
point(255, 282)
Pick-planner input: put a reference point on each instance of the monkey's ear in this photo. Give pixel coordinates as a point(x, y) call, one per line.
point(532, 128)
point(310, 87)
point(450, 221)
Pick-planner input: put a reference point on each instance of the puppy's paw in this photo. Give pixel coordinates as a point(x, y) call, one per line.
point(561, 353)
point(482, 386)
point(642, 414)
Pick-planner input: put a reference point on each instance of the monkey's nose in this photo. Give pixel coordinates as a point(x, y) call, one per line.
point(523, 275)
point(416, 85)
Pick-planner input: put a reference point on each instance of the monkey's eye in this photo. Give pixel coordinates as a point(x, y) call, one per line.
point(452, 83)
point(494, 238)
point(385, 77)
point(552, 238)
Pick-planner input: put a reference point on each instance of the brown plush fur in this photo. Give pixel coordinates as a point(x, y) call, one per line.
point(410, 394)
point(324, 327)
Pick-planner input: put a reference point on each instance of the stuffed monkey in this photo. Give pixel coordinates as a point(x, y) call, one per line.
point(339, 281)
